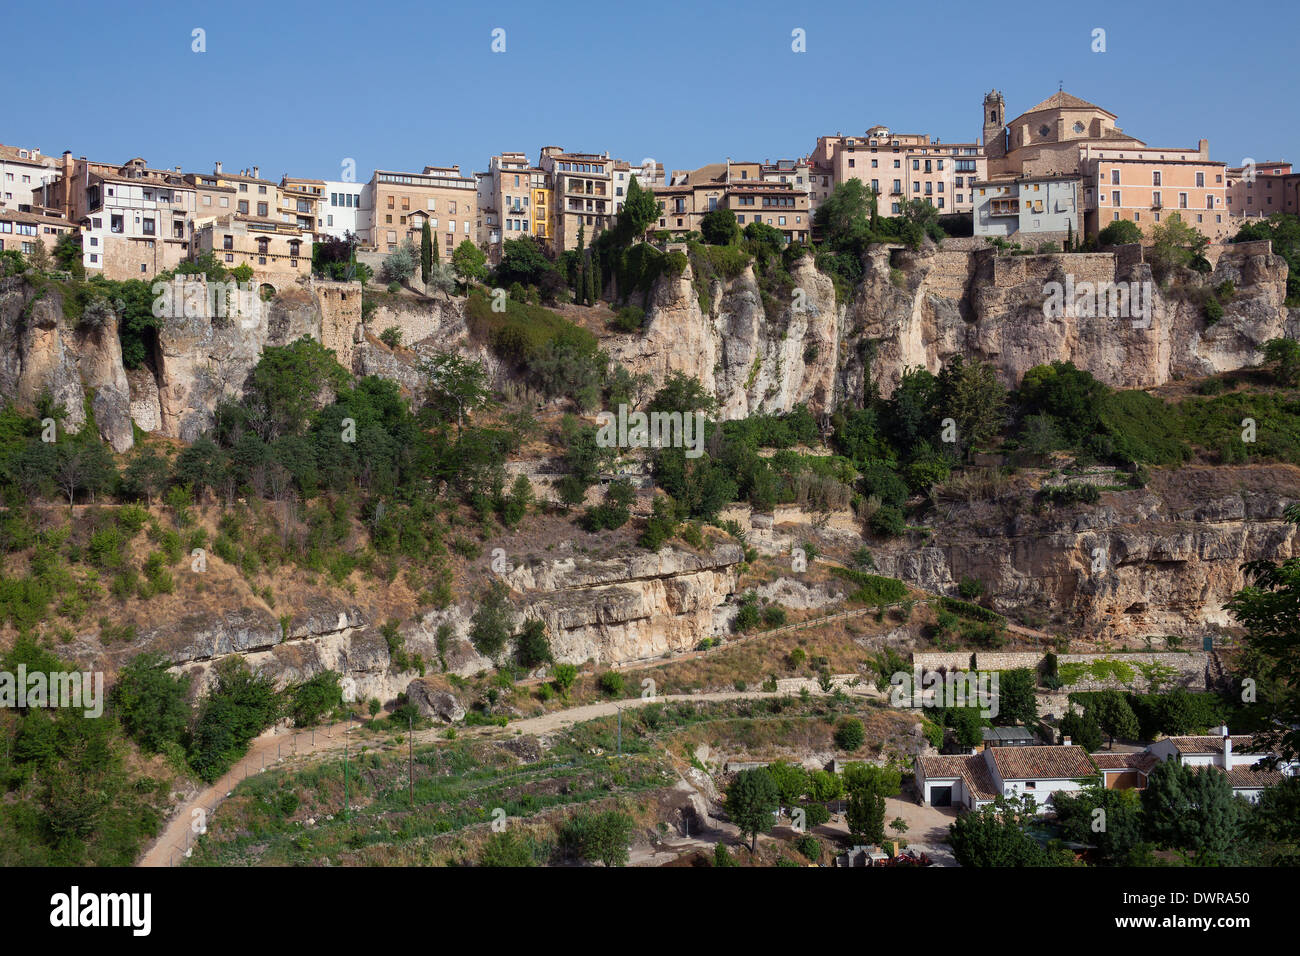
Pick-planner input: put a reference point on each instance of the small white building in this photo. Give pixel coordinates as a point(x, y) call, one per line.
point(340, 207)
point(971, 781)
point(1236, 755)
point(1031, 208)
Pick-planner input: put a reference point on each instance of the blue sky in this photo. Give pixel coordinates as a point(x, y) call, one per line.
point(298, 87)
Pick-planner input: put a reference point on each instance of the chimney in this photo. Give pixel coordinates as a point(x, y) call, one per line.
point(1066, 742)
point(217, 167)
point(255, 172)
point(36, 151)
point(1227, 748)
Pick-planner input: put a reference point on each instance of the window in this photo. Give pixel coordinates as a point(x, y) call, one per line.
point(243, 206)
point(1114, 177)
point(1031, 784)
point(1200, 180)
point(261, 209)
point(1182, 200)
point(1114, 198)
point(1155, 199)
point(116, 223)
point(852, 163)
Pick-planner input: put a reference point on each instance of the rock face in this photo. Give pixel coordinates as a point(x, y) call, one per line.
point(44, 352)
point(326, 636)
point(1158, 561)
point(627, 609)
point(750, 361)
point(921, 308)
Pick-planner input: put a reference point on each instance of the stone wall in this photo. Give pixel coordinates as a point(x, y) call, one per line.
point(1189, 668)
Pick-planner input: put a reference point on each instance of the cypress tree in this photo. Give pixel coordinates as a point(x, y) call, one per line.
point(426, 252)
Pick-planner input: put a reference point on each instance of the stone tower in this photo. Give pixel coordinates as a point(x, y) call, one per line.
point(995, 118)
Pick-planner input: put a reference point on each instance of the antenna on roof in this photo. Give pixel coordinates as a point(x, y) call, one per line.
point(1060, 86)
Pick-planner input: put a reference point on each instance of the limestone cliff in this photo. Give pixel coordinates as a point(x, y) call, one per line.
point(1161, 560)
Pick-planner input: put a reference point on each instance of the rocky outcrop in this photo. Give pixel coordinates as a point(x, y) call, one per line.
point(625, 609)
point(1151, 562)
point(42, 352)
point(750, 361)
point(434, 700)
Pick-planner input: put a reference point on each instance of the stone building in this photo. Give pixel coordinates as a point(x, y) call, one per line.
point(448, 200)
point(1123, 178)
point(270, 247)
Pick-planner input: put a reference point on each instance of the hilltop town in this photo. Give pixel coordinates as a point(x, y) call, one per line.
point(901, 504)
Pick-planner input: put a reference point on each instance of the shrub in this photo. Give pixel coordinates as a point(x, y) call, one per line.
point(888, 522)
point(849, 734)
point(611, 682)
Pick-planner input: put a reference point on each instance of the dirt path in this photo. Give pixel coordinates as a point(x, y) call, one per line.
point(269, 749)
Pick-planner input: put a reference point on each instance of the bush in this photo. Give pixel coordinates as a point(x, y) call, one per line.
point(611, 682)
point(888, 522)
point(628, 319)
point(850, 734)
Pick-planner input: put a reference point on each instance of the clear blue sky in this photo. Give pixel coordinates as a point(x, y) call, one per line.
point(297, 87)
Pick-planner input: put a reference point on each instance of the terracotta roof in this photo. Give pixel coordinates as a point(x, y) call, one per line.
point(1252, 778)
point(10, 154)
point(1140, 760)
point(969, 768)
point(1063, 100)
point(1047, 762)
point(1212, 744)
point(13, 215)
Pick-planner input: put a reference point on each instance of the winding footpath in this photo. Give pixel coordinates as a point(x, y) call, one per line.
point(272, 749)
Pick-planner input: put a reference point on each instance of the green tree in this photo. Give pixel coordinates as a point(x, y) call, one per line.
point(974, 399)
point(470, 262)
point(752, 799)
point(146, 475)
point(1017, 700)
point(238, 708)
point(490, 625)
point(313, 698)
point(455, 387)
point(1121, 232)
point(1114, 716)
point(791, 781)
point(849, 734)
point(426, 252)
point(151, 704)
point(532, 649)
point(400, 264)
point(1082, 730)
point(996, 835)
point(1193, 810)
point(865, 814)
point(1116, 831)
point(719, 227)
point(1284, 356)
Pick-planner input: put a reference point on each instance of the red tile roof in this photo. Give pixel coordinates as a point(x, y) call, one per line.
point(1212, 744)
point(1141, 760)
point(1039, 763)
